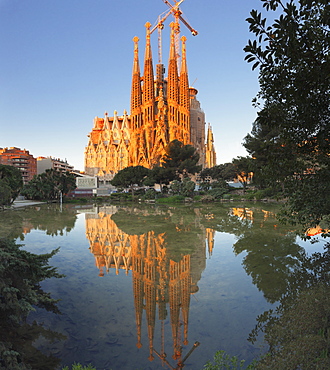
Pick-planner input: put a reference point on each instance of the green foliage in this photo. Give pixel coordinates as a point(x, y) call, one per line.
point(77, 366)
point(130, 177)
point(20, 275)
point(79, 200)
point(224, 171)
point(215, 189)
point(261, 194)
point(49, 184)
point(207, 198)
point(223, 361)
point(11, 183)
point(290, 137)
point(120, 196)
point(243, 167)
point(159, 175)
point(204, 186)
point(309, 200)
point(175, 187)
point(274, 161)
point(187, 187)
point(180, 159)
point(5, 193)
point(217, 193)
point(298, 337)
point(150, 194)
point(297, 330)
point(220, 184)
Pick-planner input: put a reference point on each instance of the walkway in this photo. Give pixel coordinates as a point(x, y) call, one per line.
point(25, 203)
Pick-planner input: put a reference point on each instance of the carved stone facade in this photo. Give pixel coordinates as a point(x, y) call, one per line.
point(162, 109)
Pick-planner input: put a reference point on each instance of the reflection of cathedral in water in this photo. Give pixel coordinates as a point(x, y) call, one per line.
point(158, 280)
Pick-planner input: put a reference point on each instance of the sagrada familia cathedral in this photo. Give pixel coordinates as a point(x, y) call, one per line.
point(162, 109)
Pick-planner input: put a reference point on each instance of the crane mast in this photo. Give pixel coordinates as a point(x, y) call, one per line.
point(177, 14)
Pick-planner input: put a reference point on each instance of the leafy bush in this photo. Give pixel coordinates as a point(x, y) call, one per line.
point(161, 195)
point(150, 194)
point(172, 199)
point(217, 193)
point(207, 198)
point(49, 184)
point(120, 196)
point(78, 366)
point(223, 361)
point(175, 187)
point(188, 187)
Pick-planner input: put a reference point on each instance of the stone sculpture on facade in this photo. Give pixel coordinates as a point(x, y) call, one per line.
point(162, 109)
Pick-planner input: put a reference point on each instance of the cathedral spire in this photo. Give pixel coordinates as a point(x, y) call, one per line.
point(136, 103)
point(148, 74)
point(184, 84)
point(173, 89)
point(161, 110)
point(184, 124)
point(210, 155)
point(136, 93)
point(148, 103)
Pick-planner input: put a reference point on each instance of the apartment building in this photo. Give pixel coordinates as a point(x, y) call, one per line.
point(21, 159)
point(45, 163)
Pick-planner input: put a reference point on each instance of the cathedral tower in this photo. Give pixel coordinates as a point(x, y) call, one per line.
point(136, 104)
point(184, 98)
point(163, 109)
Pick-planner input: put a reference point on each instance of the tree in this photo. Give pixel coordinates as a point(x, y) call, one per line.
point(224, 171)
point(20, 275)
point(186, 187)
point(130, 177)
point(180, 159)
point(273, 162)
point(11, 183)
point(49, 184)
point(159, 175)
point(291, 131)
point(244, 170)
point(5, 193)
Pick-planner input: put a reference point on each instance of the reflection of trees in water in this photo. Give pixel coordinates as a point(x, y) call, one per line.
point(271, 260)
point(52, 218)
point(272, 254)
point(19, 341)
point(161, 237)
point(298, 330)
point(171, 244)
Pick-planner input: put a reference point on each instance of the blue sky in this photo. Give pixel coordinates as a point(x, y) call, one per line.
point(66, 61)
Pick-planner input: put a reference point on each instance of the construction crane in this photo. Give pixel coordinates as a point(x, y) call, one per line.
point(177, 14)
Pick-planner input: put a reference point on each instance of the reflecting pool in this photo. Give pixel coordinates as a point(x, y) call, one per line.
point(149, 287)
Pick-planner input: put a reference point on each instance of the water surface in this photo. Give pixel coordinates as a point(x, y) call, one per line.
point(143, 284)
